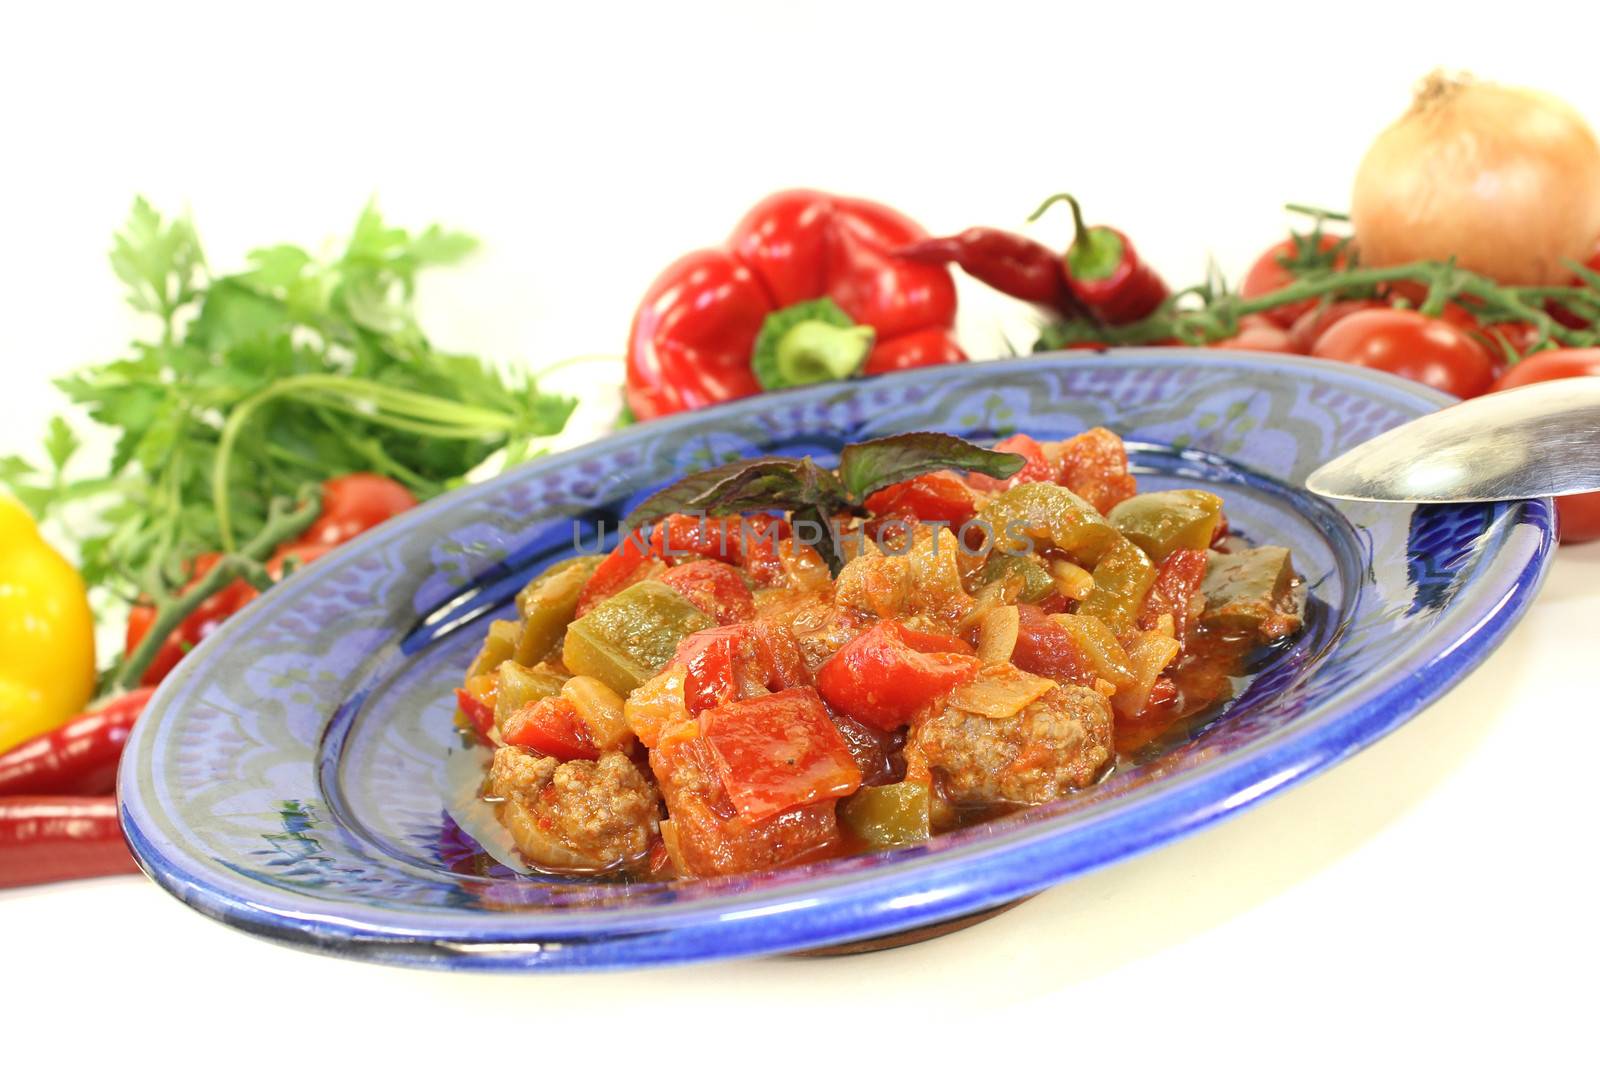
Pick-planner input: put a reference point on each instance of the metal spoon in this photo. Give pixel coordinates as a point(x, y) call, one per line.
point(1539, 440)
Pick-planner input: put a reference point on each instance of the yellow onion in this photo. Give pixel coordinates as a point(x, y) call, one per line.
point(1505, 180)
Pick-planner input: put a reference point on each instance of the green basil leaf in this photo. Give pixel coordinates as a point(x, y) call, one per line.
point(867, 467)
point(772, 483)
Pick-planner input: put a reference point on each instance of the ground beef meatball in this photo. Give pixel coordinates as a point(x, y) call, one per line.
point(577, 815)
point(1059, 743)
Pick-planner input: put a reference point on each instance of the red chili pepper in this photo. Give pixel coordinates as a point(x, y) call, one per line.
point(696, 335)
point(1105, 272)
point(1009, 262)
point(54, 839)
point(351, 505)
point(78, 757)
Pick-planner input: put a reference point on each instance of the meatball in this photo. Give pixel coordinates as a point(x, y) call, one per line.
point(1059, 743)
point(578, 815)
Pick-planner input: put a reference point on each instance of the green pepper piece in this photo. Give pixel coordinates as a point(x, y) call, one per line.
point(1041, 511)
point(1029, 575)
point(1122, 578)
point(1161, 523)
point(499, 645)
point(548, 603)
point(887, 816)
point(518, 686)
point(627, 638)
point(1252, 590)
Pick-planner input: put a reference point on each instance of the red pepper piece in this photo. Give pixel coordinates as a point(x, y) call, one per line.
point(551, 726)
point(1008, 262)
point(779, 752)
point(884, 676)
point(695, 332)
point(79, 757)
point(715, 588)
point(1106, 273)
point(55, 839)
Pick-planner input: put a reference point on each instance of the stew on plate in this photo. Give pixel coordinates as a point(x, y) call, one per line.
point(722, 694)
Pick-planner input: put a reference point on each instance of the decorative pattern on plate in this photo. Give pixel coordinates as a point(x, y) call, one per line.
point(292, 776)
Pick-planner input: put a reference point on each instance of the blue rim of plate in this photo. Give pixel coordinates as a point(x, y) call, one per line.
point(833, 903)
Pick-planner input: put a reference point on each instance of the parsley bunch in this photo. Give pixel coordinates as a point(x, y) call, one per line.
point(258, 386)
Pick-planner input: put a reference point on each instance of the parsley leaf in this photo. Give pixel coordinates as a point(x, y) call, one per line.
point(263, 384)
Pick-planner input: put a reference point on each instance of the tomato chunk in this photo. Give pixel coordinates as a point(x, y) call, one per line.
point(937, 497)
point(1094, 464)
point(1177, 580)
point(1045, 649)
point(1038, 467)
point(779, 752)
point(551, 726)
point(714, 587)
point(886, 675)
point(476, 701)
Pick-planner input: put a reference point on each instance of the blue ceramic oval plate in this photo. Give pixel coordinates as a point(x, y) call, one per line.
point(294, 776)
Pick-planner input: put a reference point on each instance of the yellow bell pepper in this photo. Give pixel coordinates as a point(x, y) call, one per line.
point(46, 632)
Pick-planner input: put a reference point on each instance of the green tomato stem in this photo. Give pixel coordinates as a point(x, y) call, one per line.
point(284, 523)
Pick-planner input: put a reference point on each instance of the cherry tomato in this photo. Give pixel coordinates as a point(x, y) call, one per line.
point(920, 348)
point(1578, 517)
point(1412, 345)
point(351, 504)
point(1559, 312)
point(354, 504)
point(1257, 333)
point(198, 624)
point(1268, 275)
point(1317, 320)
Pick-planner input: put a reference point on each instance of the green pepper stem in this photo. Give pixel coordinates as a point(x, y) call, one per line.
point(816, 351)
point(1095, 252)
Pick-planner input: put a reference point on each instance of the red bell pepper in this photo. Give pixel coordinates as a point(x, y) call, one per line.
point(778, 752)
point(886, 675)
point(804, 289)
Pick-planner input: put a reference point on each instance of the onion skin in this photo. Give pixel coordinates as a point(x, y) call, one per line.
point(1505, 180)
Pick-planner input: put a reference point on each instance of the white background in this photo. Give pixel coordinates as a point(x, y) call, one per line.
point(1436, 893)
